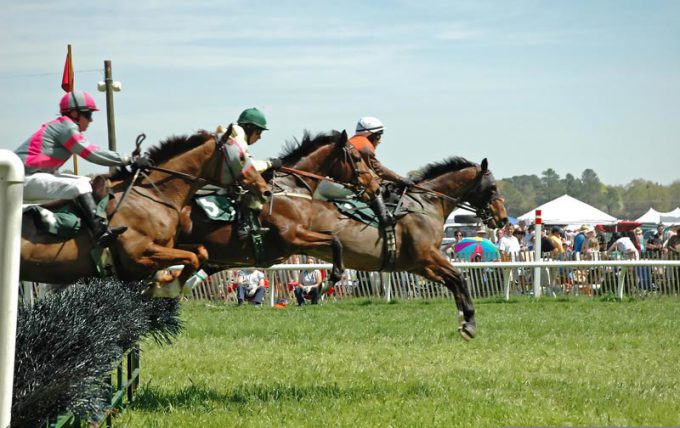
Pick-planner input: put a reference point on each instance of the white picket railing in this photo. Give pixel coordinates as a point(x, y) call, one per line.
point(484, 279)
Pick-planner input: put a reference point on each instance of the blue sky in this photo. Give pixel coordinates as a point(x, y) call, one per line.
point(530, 85)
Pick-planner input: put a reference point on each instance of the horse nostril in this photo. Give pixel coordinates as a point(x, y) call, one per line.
point(267, 194)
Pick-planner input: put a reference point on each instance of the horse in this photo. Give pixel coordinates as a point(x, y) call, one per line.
point(440, 188)
point(422, 211)
point(149, 205)
point(285, 214)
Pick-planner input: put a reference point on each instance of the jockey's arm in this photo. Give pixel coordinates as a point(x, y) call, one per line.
point(383, 172)
point(81, 146)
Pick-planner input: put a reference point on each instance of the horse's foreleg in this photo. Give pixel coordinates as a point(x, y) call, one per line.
point(157, 257)
point(439, 269)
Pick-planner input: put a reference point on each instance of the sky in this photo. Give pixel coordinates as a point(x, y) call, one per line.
point(530, 85)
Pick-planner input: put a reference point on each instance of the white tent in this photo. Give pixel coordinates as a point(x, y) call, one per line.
point(654, 216)
point(672, 217)
point(570, 211)
point(651, 216)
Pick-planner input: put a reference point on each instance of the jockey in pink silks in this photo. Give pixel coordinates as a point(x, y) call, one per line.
point(52, 145)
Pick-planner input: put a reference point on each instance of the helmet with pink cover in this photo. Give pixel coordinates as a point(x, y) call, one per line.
point(77, 100)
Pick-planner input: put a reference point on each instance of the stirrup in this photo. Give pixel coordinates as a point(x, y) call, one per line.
point(109, 236)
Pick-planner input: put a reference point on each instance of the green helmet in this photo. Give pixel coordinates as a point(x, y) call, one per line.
point(253, 116)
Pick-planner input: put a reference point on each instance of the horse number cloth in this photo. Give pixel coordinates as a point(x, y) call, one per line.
point(218, 207)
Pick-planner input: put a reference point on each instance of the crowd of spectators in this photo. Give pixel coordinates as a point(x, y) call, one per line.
point(515, 241)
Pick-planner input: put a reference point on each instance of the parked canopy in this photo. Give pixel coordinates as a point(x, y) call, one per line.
point(567, 210)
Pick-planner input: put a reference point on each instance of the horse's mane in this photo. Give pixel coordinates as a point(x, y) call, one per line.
point(435, 169)
point(167, 149)
point(295, 150)
point(175, 145)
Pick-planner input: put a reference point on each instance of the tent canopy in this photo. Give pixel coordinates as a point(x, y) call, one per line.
point(570, 211)
point(656, 217)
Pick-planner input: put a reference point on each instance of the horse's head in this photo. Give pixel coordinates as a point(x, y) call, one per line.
point(330, 155)
point(485, 199)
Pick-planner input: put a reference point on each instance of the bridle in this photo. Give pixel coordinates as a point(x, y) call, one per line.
point(353, 183)
point(484, 213)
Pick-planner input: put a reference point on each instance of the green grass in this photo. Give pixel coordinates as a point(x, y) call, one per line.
point(366, 363)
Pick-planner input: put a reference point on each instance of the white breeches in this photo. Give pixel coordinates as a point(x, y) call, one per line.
point(42, 186)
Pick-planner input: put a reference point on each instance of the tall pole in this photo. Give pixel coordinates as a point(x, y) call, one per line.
point(110, 122)
point(538, 224)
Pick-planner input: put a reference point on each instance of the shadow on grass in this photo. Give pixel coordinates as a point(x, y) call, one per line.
point(151, 398)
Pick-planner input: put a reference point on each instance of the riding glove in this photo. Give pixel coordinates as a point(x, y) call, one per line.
point(142, 162)
point(275, 163)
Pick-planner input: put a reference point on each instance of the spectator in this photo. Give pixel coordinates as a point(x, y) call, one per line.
point(601, 237)
point(499, 235)
point(508, 243)
point(555, 238)
point(309, 285)
point(640, 241)
point(624, 245)
point(673, 243)
point(580, 239)
point(519, 234)
point(654, 246)
point(591, 244)
point(250, 286)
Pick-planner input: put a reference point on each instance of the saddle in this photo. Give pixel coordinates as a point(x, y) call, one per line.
point(62, 217)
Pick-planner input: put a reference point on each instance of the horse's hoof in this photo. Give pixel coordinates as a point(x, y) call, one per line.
point(465, 334)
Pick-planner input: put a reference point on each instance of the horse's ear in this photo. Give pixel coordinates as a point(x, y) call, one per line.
point(485, 165)
point(343, 136)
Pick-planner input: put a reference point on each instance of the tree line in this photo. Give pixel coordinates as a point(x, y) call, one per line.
point(628, 202)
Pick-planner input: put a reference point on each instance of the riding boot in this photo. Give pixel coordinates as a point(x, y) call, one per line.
point(97, 225)
point(244, 225)
point(378, 207)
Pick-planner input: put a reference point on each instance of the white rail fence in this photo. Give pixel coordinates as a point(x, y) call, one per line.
point(619, 278)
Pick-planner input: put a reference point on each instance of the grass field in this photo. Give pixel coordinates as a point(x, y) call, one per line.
point(368, 363)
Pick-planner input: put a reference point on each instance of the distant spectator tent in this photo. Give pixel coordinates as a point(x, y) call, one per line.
point(567, 210)
point(656, 217)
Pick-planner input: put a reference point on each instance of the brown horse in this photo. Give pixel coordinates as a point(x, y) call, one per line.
point(151, 211)
point(440, 188)
point(286, 215)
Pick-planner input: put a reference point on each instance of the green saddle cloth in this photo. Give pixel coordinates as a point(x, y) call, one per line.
point(64, 221)
point(358, 210)
point(218, 207)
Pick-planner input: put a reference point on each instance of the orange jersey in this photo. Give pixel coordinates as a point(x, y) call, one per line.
point(362, 143)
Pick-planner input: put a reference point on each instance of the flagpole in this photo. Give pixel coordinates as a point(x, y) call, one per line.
point(110, 122)
point(67, 84)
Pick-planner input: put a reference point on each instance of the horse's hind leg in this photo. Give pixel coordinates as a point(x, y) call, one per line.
point(306, 239)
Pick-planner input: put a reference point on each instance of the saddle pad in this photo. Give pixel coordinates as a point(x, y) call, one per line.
point(64, 221)
point(357, 210)
point(218, 207)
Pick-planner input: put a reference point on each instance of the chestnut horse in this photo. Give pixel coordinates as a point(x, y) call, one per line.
point(285, 215)
point(150, 208)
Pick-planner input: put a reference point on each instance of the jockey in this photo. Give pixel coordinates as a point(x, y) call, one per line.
point(366, 139)
point(52, 145)
point(245, 132)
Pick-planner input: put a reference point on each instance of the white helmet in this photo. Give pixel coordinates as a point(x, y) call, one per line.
point(369, 125)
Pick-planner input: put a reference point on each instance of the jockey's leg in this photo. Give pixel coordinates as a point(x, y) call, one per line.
point(378, 207)
point(97, 225)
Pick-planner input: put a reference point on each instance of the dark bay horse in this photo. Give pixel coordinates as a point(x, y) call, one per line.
point(286, 214)
point(440, 188)
point(151, 211)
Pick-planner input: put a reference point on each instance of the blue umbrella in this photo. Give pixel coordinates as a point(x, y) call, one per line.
point(468, 248)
